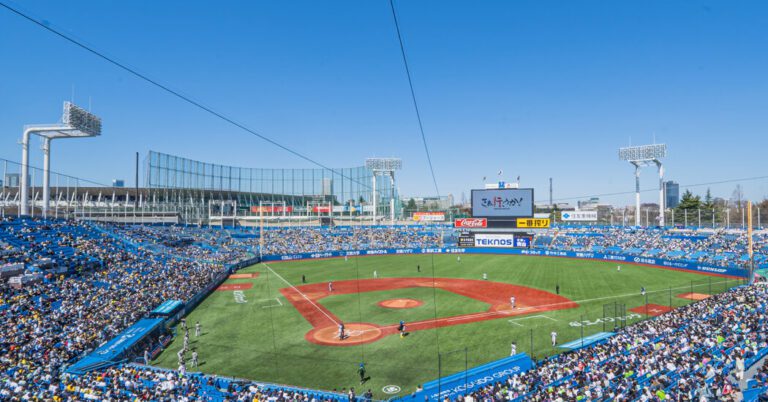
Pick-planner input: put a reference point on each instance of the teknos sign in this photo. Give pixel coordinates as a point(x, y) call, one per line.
point(494, 240)
point(470, 223)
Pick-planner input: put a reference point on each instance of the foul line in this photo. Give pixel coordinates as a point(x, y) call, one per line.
point(302, 294)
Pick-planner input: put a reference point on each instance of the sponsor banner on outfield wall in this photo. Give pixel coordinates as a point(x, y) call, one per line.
point(429, 216)
point(470, 223)
point(533, 223)
point(270, 209)
point(685, 265)
point(467, 240)
point(503, 203)
point(460, 383)
point(494, 240)
point(578, 216)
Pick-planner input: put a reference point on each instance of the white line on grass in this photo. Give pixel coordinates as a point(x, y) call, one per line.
point(302, 294)
point(279, 303)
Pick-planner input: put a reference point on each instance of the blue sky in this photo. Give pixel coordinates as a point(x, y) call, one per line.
point(539, 89)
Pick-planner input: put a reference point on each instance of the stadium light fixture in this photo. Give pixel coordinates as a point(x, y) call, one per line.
point(76, 122)
point(384, 166)
point(645, 155)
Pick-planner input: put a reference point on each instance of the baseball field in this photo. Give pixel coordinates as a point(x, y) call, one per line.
point(278, 322)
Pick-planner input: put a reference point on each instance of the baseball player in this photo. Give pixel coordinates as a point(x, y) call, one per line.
point(642, 290)
point(330, 286)
point(186, 341)
point(146, 357)
point(182, 369)
point(554, 338)
point(180, 355)
point(512, 301)
point(514, 349)
point(184, 323)
point(361, 372)
point(418, 268)
point(485, 276)
point(375, 274)
point(401, 328)
point(618, 268)
point(198, 329)
point(341, 331)
point(458, 258)
point(194, 358)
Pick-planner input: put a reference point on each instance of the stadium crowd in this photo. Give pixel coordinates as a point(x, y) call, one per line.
point(694, 353)
point(91, 283)
point(720, 247)
point(307, 240)
point(48, 323)
point(211, 245)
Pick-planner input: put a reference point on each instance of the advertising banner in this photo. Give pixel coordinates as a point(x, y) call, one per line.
point(467, 240)
point(578, 216)
point(467, 381)
point(470, 223)
point(321, 208)
point(429, 216)
point(494, 240)
point(523, 241)
point(502, 203)
point(533, 223)
point(731, 271)
point(270, 209)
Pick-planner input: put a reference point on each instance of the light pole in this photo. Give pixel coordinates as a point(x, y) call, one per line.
point(384, 166)
point(646, 155)
point(76, 123)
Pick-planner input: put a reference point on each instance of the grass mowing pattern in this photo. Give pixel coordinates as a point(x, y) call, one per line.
point(264, 340)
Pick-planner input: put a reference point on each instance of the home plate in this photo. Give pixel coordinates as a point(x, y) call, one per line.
point(651, 309)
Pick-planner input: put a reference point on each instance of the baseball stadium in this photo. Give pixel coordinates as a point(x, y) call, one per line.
point(227, 278)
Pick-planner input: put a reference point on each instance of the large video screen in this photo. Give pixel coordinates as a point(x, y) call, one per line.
point(502, 203)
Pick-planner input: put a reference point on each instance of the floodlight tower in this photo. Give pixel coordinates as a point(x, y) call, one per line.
point(384, 166)
point(75, 123)
point(645, 155)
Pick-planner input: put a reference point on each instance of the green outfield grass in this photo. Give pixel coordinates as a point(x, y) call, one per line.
point(264, 338)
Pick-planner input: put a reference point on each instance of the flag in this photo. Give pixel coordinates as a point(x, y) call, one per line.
point(500, 172)
point(518, 179)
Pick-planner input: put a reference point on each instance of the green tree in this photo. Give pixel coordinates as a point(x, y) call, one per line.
point(689, 201)
point(709, 203)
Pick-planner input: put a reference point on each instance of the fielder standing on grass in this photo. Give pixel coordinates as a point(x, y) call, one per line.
point(361, 372)
point(198, 329)
point(401, 328)
point(554, 338)
point(194, 358)
point(514, 349)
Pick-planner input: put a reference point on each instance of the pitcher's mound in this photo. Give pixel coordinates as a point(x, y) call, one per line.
point(400, 303)
point(355, 334)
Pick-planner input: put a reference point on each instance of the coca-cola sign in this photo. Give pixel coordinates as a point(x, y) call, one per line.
point(471, 223)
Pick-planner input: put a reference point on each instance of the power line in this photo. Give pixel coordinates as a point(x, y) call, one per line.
point(656, 189)
point(78, 179)
point(47, 26)
point(413, 96)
